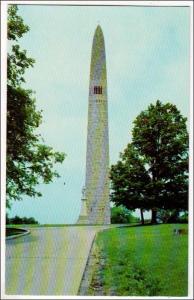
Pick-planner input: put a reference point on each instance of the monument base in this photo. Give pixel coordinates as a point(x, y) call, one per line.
point(82, 220)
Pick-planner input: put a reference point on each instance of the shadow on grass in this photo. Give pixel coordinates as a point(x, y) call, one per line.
point(136, 225)
point(14, 231)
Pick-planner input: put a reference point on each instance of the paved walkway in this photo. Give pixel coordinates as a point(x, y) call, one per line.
point(49, 261)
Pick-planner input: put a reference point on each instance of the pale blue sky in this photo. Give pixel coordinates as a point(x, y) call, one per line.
point(147, 53)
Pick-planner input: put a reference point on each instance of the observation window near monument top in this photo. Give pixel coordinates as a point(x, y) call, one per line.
point(97, 89)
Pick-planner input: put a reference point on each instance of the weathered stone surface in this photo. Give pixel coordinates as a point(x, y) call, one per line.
point(97, 158)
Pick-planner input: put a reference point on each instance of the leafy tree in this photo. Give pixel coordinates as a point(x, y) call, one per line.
point(153, 170)
point(19, 220)
point(129, 179)
point(121, 215)
point(29, 162)
point(160, 136)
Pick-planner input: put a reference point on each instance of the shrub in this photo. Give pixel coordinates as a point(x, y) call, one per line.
point(121, 215)
point(19, 220)
point(183, 218)
point(172, 216)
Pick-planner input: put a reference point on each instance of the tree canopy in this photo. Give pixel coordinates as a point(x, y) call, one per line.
point(29, 161)
point(129, 179)
point(153, 170)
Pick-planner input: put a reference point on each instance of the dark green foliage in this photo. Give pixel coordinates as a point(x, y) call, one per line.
point(183, 218)
point(19, 220)
point(14, 231)
point(15, 24)
point(160, 136)
point(128, 180)
point(121, 215)
point(29, 162)
point(153, 170)
point(172, 216)
point(135, 280)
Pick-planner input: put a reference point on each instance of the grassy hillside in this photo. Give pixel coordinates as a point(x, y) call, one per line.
point(141, 261)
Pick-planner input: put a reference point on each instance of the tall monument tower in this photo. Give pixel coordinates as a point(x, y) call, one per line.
point(97, 157)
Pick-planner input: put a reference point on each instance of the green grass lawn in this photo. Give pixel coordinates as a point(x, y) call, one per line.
point(142, 261)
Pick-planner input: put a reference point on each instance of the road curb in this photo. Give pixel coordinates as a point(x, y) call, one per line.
point(26, 232)
point(84, 283)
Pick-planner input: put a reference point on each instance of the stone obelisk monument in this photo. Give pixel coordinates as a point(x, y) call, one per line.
point(96, 199)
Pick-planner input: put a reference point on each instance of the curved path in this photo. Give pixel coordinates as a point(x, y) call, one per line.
point(49, 261)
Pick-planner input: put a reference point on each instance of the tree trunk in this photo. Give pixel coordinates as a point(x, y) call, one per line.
point(142, 217)
point(154, 215)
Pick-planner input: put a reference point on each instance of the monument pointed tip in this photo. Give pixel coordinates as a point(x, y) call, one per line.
point(98, 29)
point(98, 32)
